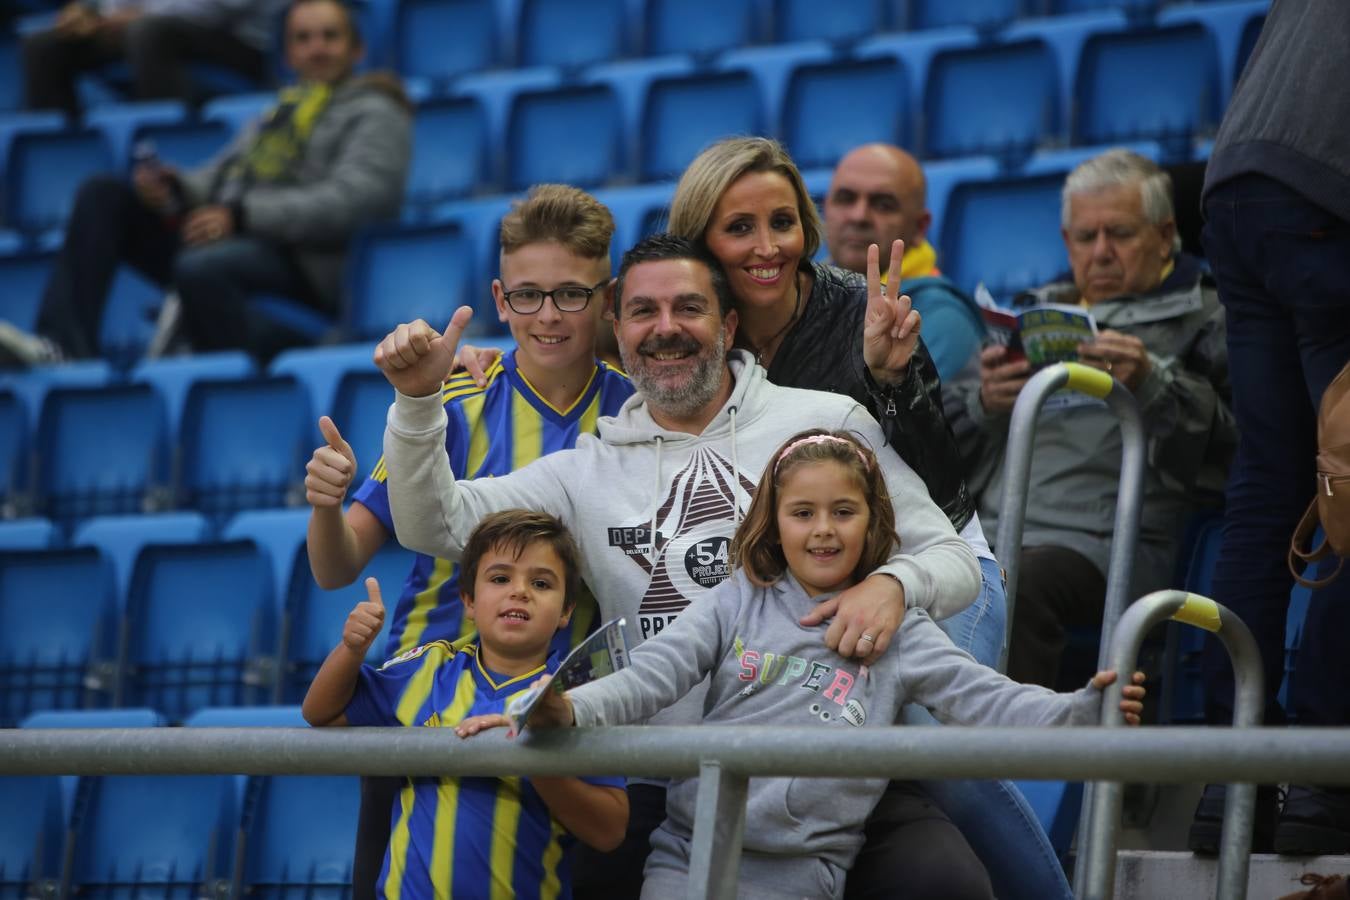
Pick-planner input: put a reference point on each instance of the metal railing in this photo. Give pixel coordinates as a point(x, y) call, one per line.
point(1098, 853)
point(730, 753)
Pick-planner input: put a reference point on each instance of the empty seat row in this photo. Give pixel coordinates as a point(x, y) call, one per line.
point(176, 836)
point(157, 610)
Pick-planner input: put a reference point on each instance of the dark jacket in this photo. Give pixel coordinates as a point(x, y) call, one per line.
point(823, 351)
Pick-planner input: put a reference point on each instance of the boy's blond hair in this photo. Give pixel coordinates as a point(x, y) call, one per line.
point(562, 213)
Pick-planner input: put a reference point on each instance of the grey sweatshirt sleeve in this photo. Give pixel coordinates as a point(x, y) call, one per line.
point(664, 667)
point(948, 681)
point(937, 568)
point(433, 512)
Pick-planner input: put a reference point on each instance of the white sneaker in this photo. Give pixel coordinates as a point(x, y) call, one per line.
point(19, 349)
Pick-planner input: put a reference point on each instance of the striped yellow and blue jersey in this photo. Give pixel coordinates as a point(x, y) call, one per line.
point(492, 430)
point(470, 838)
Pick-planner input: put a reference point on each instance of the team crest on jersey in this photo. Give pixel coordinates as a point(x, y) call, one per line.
point(690, 550)
point(407, 655)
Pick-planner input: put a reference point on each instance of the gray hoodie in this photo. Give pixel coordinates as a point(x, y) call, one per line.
point(654, 510)
point(767, 669)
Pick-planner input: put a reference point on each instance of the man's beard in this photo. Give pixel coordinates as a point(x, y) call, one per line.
point(684, 399)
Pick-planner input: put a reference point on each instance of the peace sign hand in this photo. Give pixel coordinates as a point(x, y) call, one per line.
point(891, 327)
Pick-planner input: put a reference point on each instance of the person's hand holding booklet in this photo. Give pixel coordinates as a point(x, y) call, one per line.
point(603, 652)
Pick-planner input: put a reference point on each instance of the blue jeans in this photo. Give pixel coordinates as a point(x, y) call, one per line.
point(1282, 264)
point(994, 817)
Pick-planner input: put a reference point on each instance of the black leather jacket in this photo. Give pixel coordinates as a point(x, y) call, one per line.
point(823, 351)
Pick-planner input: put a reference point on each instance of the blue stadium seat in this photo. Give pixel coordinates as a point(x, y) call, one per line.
point(119, 122)
point(1001, 99)
point(495, 92)
point(979, 246)
point(772, 66)
point(320, 369)
point(1135, 8)
point(839, 22)
point(700, 27)
point(31, 386)
point(570, 135)
point(571, 33)
point(185, 145)
point(315, 616)
point(914, 51)
point(986, 15)
point(398, 273)
point(450, 157)
point(439, 39)
point(31, 835)
point(34, 533)
point(1159, 84)
point(479, 221)
point(43, 171)
point(201, 628)
point(360, 409)
point(944, 174)
point(1056, 805)
point(237, 111)
point(173, 376)
point(1065, 36)
point(129, 317)
point(638, 211)
point(57, 631)
point(278, 533)
point(24, 276)
point(863, 102)
point(120, 538)
point(14, 453)
point(90, 462)
point(125, 717)
point(11, 73)
point(686, 114)
point(630, 80)
point(1234, 26)
point(225, 466)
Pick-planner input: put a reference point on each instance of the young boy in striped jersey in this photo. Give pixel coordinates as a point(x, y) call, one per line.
point(553, 289)
point(476, 837)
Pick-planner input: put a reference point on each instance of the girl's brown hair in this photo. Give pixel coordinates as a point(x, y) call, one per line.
point(757, 546)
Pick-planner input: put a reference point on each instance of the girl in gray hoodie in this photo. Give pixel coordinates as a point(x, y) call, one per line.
point(820, 522)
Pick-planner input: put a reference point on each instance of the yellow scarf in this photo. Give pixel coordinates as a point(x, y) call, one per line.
point(919, 261)
point(280, 142)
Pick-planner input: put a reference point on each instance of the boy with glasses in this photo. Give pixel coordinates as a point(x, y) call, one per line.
point(552, 293)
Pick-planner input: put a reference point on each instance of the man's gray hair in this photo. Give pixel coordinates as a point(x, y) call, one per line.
point(1117, 168)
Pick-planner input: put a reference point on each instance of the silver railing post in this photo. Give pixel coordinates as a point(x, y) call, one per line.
point(1098, 852)
point(1017, 475)
point(719, 826)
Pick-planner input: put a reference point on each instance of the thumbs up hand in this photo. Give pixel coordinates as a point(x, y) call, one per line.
point(330, 469)
point(415, 358)
point(364, 621)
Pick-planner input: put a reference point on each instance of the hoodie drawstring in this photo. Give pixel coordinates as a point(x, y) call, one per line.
point(735, 472)
point(656, 492)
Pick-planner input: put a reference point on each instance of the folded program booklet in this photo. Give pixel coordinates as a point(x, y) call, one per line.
point(604, 651)
point(1045, 334)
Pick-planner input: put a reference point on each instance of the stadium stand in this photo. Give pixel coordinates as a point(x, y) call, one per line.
point(450, 157)
point(864, 102)
point(571, 34)
point(398, 273)
point(683, 114)
point(842, 23)
point(33, 533)
point(569, 135)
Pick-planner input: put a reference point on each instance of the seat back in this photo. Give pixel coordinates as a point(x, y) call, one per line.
point(839, 22)
point(571, 33)
point(833, 107)
point(101, 451)
point(14, 452)
point(400, 273)
point(186, 145)
point(1159, 84)
point(684, 115)
point(200, 628)
point(315, 616)
point(699, 27)
point(997, 99)
point(57, 631)
point(121, 538)
point(24, 276)
point(986, 15)
point(564, 136)
point(439, 39)
point(978, 244)
point(449, 150)
point(31, 834)
point(360, 409)
point(228, 465)
point(35, 533)
point(45, 170)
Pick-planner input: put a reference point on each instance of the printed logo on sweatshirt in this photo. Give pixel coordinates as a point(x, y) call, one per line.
point(827, 685)
point(689, 553)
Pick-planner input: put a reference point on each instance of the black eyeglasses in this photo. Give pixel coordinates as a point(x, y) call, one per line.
point(569, 298)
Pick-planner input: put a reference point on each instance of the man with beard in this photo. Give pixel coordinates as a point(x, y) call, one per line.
point(877, 196)
point(655, 497)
